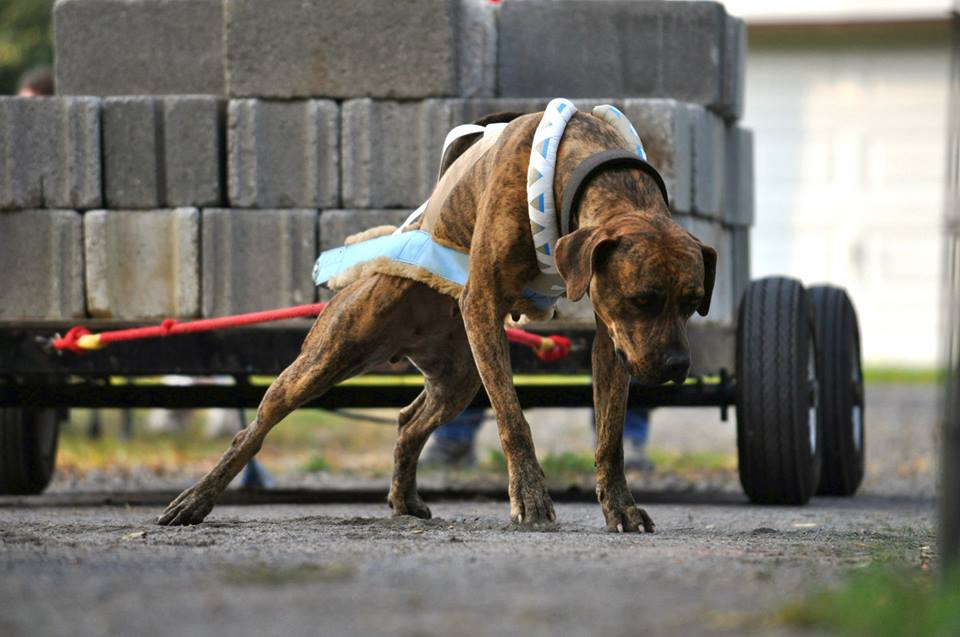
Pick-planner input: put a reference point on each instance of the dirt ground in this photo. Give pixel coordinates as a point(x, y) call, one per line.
point(713, 566)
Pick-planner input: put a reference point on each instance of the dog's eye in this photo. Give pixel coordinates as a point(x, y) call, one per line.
point(649, 302)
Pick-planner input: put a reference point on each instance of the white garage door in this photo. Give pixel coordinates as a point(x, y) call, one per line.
point(850, 149)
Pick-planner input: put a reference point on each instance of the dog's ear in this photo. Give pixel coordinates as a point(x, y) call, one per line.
point(578, 254)
point(709, 275)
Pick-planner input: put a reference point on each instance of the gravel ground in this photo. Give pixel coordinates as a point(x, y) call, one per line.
point(349, 570)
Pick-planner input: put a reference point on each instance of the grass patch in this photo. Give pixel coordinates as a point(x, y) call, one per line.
point(312, 440)
point(882, 601)
point(692, 462)
point(902, 376)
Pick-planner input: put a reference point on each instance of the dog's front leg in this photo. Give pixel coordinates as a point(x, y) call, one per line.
point(611, 384)
point(483, 317)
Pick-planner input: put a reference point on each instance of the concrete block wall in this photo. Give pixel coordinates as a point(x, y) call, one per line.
point(215, 158)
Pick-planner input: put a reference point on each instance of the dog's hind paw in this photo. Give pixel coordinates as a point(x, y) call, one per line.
point(190, 507)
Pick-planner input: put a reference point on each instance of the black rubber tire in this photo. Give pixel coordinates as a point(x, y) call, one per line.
point(840, 371)
point(777, 421)
point(28, 449)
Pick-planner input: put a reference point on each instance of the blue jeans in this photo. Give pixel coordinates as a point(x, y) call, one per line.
point(463, 428)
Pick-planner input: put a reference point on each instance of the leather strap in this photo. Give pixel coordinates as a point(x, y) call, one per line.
point(590, 167)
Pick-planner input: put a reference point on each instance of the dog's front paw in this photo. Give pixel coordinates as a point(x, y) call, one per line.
point(530, 502)
point(190, 507)
point(409, 505)
point(622, 514)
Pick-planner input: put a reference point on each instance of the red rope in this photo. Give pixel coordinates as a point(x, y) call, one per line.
point(549, 348)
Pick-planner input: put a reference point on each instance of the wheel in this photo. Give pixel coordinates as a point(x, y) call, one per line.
point(841, 390)
point(778, 437)
point(28, 449)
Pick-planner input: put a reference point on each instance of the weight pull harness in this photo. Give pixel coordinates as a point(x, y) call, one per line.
point(412, 252)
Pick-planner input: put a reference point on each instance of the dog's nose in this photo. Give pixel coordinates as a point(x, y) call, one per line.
point(676, 366)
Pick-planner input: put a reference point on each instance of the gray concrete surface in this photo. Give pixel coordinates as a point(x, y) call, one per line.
point(711, 568)
point(346, 570)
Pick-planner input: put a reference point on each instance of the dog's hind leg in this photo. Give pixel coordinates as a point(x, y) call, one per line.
point(362, 327)
point(450, 383)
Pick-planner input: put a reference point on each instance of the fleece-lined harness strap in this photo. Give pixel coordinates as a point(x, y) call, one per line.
point(540, 202)
point(590, 167)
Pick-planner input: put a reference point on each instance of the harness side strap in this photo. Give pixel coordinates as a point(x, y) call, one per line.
point(589, 167)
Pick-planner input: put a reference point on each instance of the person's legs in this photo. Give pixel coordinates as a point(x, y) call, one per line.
point(636, 428)
point(453, 443)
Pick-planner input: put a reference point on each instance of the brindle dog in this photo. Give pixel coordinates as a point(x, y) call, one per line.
point(645, 277)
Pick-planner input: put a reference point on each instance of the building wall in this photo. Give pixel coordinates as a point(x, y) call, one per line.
point(850, 157)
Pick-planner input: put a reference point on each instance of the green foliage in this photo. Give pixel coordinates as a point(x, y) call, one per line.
point(568, 463)
point(25, 39)
point(315, 464)
point(880, 601)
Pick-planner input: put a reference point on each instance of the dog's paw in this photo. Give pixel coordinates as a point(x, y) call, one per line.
point(628, 519)
point(409, 505)
point(190, 507)
point(530, 503)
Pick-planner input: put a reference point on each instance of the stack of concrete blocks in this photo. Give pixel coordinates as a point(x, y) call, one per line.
point(200, 153)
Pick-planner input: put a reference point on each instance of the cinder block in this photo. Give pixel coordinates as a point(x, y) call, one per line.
point(257, 259)
point(709, 162)
point(142, 264)
point(391, 151)
point(666, 130)
point(336, 225)
point(353, 48)
point(50, 152)
point(139, 47)
point(41, 264)
point(194, 150)
point(630, 49)
point(740, 241)
point(283, 154)
point(738, 207)
point(734, 69)
point(162, 151)
point(477, 53)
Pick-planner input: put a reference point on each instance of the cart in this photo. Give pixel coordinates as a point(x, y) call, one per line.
point(791, 367)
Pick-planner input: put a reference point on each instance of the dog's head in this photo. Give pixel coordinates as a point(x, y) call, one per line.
point(646, 277)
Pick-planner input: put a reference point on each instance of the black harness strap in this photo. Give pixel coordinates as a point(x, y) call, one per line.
point(589, 168)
